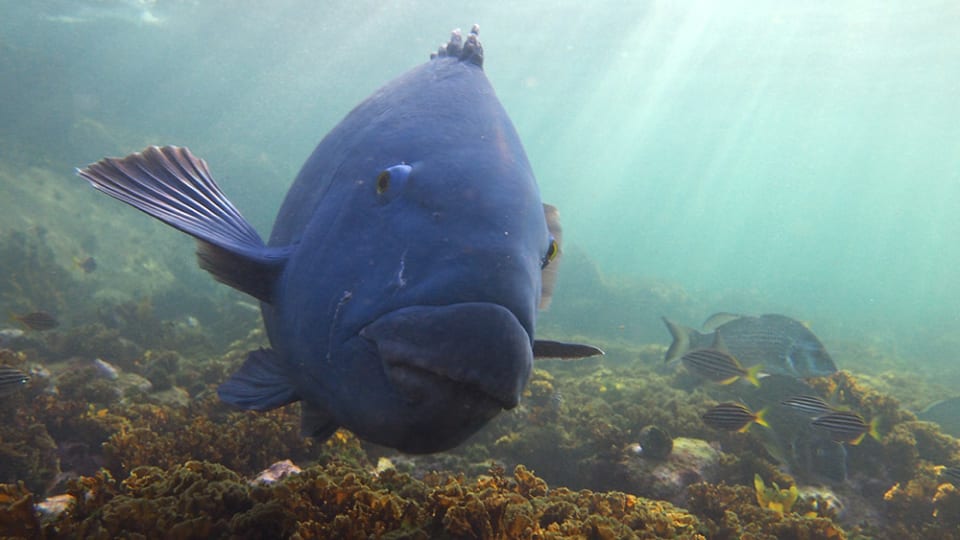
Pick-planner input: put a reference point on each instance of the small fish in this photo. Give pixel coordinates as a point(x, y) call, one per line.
point(38, 320)
point(809, 405)
point(950, 474)
point(106, 369)
point(719, 366)
point(11, 380)
point(847, 426)
point(88, 264)
point(733, 416)
point(9, 335)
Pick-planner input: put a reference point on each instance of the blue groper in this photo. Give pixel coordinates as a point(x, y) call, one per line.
point(401, 283)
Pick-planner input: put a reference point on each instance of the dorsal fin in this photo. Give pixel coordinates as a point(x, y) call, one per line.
point(719, 319)
point(471, 51)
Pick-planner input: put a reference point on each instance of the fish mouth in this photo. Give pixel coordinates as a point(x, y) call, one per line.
point(419, 386)
point(476, 354)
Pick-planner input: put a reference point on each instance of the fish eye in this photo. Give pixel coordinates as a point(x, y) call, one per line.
point(383, 182)
point(392, 178)
point(552, 251)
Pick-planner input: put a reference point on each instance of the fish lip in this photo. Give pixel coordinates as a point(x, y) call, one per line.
point(486, 376)
point(412, 381)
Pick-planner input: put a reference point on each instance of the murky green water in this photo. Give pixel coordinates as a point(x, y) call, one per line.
point(807, 152)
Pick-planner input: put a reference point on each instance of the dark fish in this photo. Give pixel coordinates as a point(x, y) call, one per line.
point(11, 380)
point(827, 458)
point(808, 405)
point(719, 366)
point(781, 344)
point(945, 413)
point(38, 320)
point(88, 264)
point(846, 426)
point(401, 282)
point(807, 452)
point(733, 416)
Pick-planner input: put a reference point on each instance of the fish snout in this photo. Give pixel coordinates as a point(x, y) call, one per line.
point(482, 347)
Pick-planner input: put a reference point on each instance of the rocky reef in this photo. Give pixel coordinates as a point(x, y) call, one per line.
point(119, 433)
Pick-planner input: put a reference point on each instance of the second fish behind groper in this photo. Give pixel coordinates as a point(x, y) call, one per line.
point(781, 344)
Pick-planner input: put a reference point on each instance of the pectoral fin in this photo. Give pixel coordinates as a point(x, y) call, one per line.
point(172, 185)
point(261, 383)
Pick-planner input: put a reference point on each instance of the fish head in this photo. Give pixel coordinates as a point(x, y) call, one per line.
point(410, 304)
point(438, 323)
point(811, 359)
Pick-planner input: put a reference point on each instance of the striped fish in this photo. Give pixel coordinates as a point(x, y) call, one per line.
point(11, 380)
point(808, 405)
point(847, 426)
point(733, 416)
point(950, 474)
point(719, 366)
point(38, 321)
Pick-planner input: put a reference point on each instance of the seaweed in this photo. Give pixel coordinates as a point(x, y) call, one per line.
point(205, 500)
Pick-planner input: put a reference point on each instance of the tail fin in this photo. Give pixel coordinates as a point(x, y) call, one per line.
point(752, 374)
point(761, 417)
point(172, 185)
point(681, 339)
point(873, 428)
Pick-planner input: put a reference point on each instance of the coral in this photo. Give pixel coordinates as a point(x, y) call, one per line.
point(161, 368)
point(923, 507)
point(243, 441)
point(732, 512)
point(17, 516)
point(911, 502)
point(774, 498)
point(205, 500)
point(946, 504)
point(691, 461)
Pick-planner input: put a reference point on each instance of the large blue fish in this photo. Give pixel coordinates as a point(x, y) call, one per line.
point(401, 283)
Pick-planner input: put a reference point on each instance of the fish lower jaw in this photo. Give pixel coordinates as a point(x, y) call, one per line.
point(417, 385)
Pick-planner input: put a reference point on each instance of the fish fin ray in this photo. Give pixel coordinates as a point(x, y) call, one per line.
point(543, 348)
point(261, 383)
point(719, 319)
point(172, 185)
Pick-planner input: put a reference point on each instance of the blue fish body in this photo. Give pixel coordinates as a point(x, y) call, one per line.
point(402, 278)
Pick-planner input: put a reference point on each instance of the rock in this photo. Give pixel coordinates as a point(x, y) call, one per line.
point(690, 461)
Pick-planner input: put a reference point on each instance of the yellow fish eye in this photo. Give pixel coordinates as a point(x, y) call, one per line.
point(552, 251)
point(383, 182)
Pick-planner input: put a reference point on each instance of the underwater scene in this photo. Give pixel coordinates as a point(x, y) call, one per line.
point(548, 269)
